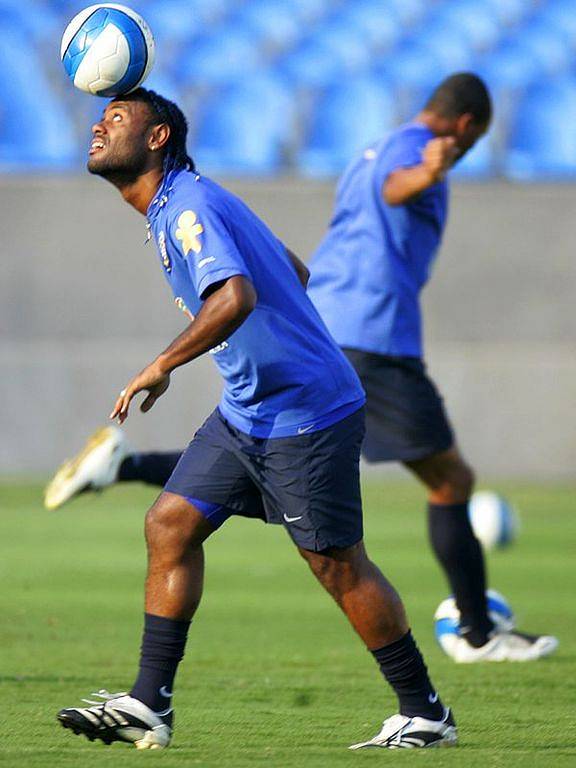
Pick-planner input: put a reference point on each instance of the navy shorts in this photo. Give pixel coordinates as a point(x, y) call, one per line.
point(405, 415)
point(309, 483)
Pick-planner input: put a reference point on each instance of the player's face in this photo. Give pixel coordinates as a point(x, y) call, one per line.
point(467, 134)
point(119, 141)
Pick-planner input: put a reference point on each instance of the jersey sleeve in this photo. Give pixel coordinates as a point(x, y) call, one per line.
point(403, 151)
point(208, 248)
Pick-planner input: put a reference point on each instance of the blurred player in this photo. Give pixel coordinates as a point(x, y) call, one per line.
point(367, 275)
point(283, 444)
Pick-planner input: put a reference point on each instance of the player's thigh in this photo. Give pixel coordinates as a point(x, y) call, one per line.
point(311, 484)
point(405, 414)
point(174, 524)
point(210, 476)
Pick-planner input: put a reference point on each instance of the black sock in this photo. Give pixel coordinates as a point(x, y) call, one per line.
point(402, 665)
point(460, 554)
point(151, 468)
point(163, 644)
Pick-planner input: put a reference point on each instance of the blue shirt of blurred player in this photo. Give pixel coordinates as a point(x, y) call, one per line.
point(284, 374)
point(367, 274)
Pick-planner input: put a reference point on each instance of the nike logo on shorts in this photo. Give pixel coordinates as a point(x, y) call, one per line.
point(292, 519)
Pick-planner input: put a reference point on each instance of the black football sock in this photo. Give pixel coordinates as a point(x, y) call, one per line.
point(163, 644)
point(460, 554)
point(402, 665)
point(151, 468)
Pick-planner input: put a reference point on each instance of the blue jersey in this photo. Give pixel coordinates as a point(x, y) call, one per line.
point(370, 267)
point(284, 375)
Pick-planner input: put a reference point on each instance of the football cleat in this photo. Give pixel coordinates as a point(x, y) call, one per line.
point(401, 732)
point(94, 468)
point(118, 717)
point(504, 646)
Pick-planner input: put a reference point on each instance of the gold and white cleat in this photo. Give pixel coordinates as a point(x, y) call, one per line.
point(95, 467)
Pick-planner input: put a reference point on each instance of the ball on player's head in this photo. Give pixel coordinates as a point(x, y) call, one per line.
point(447, 618)
point(494, 520)
point(107, 50)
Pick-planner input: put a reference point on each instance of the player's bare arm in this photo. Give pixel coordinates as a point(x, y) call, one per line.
point(438, 156)
point(301, 269)
point(225, 309)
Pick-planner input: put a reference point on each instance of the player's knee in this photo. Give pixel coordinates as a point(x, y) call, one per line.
point(456, 483)
point(336, 569)
point(173, 524)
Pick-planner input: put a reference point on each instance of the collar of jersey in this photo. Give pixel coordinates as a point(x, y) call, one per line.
point(162, 194)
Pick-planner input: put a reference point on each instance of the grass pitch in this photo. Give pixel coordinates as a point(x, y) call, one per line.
point(273, 675)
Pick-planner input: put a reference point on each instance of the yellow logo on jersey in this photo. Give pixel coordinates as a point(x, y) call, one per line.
point(189, 229)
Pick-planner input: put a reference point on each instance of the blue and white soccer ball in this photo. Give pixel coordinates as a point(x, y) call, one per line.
point(447, 619)
point(494, 520)
point(107, 50)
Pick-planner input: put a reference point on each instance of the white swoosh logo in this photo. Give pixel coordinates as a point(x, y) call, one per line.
point(292, 519)
point(433, 698)
point(301, 430)
point(165, 692)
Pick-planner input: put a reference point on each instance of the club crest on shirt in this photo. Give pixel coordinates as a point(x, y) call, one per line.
point(163, 252)
point(188, 232)
point(179, 301)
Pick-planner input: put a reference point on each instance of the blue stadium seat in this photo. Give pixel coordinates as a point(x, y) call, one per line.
point(471, 18)
point(375, 21)
point(309, 10)
point(409, 12)
point(271, 21)
point(542, 142)
point(510, 66)
point(172, 22)
point(419, 65)
point(35, 130)
point(561, 15)
point(509, 12)
point(346, 119)
point(240, 133)
point(218, 58)
point(549, 46)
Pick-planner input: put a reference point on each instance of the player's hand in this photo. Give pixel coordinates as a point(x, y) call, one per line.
point(439, 155)
point(152, 380)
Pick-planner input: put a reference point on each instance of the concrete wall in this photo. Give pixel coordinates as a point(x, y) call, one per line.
point(83, 306)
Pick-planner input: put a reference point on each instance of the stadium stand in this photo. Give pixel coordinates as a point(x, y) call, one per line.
point(319, 63)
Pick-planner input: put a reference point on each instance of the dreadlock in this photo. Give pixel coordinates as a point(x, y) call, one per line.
point(164, 111)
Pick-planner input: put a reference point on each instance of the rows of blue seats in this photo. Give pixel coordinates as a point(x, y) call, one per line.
point(276, 85)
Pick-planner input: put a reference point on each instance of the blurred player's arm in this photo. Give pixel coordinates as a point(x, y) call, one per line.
point(225, 308)
point(404, 184)
point(301, 269)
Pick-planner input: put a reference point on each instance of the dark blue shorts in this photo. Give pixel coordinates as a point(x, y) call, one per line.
point(405, 415)
point(308, 483)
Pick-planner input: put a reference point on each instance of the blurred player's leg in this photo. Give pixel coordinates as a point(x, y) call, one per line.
point(450, 483)
point(150, 468)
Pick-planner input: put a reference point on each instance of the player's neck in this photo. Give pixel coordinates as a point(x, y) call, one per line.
point(140, 192)
point(440, 126)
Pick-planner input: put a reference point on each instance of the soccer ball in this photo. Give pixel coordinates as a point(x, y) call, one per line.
point(107, 50)
point(494, 520)
point(447, 619)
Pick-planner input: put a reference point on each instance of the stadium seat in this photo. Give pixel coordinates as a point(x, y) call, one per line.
point(172, 22)
point(474, 20)
point(273, 22)
point(374, 20)
point(509, 12)
point(409, 12)
point(35, 131)
point(561, 15)
point(217, 59)
point(416, 65)
point(238, 133)
point(510, 67)
point(316, 64)
point(549, 46)
point(346, 118)
point(542, 141)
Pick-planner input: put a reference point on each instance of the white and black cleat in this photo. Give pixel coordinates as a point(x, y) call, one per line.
point(118, 717)
point(504, 646)
point(401, 732)
point(95, 467)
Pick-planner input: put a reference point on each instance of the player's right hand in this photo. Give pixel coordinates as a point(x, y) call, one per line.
point(439, 155)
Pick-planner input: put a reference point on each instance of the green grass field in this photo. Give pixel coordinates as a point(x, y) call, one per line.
point(273, 675)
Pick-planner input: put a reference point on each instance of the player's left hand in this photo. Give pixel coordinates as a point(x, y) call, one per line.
point(152, 380)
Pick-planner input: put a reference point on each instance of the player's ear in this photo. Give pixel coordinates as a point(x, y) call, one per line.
point(463, 122)
point(158, 137)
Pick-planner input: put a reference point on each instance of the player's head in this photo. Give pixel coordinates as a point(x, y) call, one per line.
point(463, 102)
point(139, 131)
